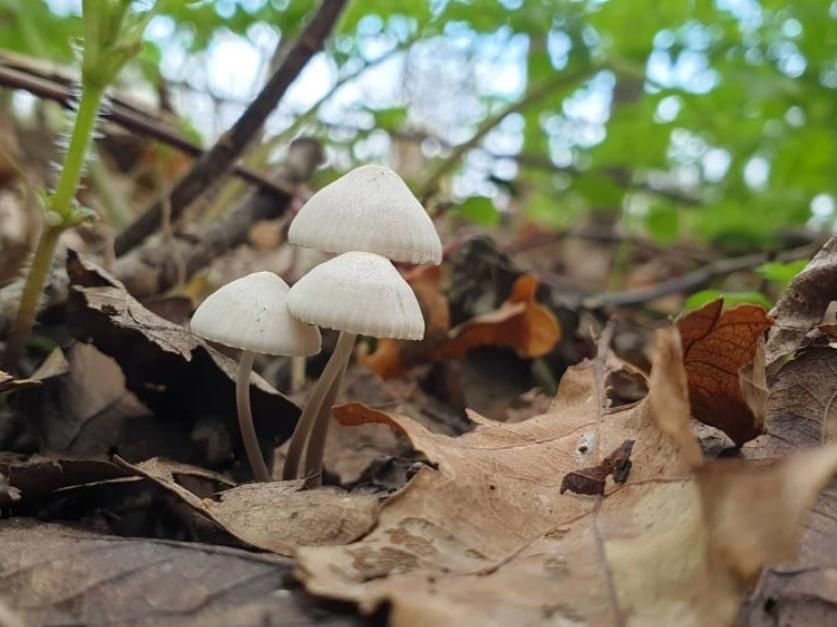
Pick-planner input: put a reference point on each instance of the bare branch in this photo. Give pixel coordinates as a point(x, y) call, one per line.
point(220, 158)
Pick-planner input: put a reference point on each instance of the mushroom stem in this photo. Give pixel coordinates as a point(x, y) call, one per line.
point(245, 417)
point(311, 430)
point(315, 448)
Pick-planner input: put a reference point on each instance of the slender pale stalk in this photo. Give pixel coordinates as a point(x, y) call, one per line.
point(315, 448)
point(245, 418)
point(297, 373)
point(302, 441)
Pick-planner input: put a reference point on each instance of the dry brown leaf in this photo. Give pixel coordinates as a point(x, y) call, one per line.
point(717, 345)
point(802, 414)
point(803, 304)
point(280, 516)
point(487, 538)
point(9, 384)
point(59, 575)
point(520, 323)
point(174, 373)
point(276, 516)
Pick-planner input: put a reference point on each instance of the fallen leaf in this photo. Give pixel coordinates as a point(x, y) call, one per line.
point(717, 345)
point(487, 538)
point(8, 493)
point(802, 413)
point(520, 323)
point(592, 480)
point(280, 516)
point(38, 476)
point(174, 373)
point(58, 575)
point(9, 384)
point(802, 305)
point(276, 516)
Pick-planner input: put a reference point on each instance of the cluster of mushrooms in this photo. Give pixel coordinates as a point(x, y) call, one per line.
point(369, 218)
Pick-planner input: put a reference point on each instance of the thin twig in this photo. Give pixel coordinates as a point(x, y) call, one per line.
point(537, 93)
point(693, 280)
point(220, 158)
point(62, 90)
point(157, 266)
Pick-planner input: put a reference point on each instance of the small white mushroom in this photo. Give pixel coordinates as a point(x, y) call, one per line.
point(357, 293)
point(251, 314)
point(368, 209)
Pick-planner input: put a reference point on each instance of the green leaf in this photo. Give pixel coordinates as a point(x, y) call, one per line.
point(731, 299)
point(781, 273)
point(479, 210)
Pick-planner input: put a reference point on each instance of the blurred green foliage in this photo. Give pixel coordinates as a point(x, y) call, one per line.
point(711, 121)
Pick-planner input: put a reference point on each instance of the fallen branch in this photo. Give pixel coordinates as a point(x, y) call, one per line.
point(220, 158)
point(157, 266)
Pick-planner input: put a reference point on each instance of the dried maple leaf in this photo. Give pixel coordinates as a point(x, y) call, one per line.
point(488, 539)
point(520, 323)
point(727, 381)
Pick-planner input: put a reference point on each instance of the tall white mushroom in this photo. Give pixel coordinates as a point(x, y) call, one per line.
point(250, 313)
point(370, 215)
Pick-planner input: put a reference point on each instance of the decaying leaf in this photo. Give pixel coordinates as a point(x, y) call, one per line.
point(9, 384)
point(279, 516)
point(57, 575)
point(174, 373)
point(8, 493)
point(520, 323)
point(803, 305)
point(802, 414)
point(592, 480)
point(727, 380)
point(488, 539)
point(275, 516)
point(37, 476)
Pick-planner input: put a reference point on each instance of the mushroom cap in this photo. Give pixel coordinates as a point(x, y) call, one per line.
point(360, 293)
point(251, 313)
point(369, 209)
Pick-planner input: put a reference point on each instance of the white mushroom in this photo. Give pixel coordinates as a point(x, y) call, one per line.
point(357, 293)
point(368, 209)
point(251, 314)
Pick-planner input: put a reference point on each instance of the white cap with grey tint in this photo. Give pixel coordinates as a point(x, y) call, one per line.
point(369, 209)
point(250, 313)
point(356, 293)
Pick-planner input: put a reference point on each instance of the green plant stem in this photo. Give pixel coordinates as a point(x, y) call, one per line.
point(82, 137)
point(31, 296)
point(61, 214)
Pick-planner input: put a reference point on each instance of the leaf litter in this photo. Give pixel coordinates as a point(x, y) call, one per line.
point(488, 538)
point(601, 510)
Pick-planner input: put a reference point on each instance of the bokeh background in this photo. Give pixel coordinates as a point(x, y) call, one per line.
point(709, 122)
